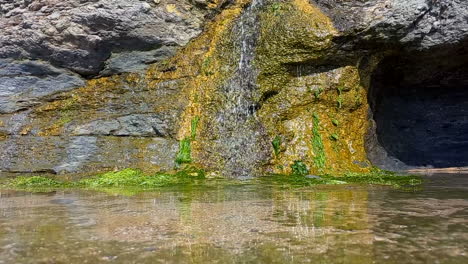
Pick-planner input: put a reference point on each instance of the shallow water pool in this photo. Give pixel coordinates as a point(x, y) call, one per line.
point(240, 223)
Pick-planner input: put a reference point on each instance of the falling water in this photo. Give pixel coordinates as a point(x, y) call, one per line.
point(242, 139)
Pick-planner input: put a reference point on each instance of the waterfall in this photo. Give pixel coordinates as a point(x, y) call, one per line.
point(241, 138)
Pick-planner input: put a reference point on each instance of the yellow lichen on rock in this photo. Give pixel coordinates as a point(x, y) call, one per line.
point(79, 105)
point(171, 8)
point(293, 36)
point(203, 65)
point(291, 32)
point(335, 102)
point(321, 116)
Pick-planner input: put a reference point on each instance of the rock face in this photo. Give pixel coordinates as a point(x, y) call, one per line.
point(417, 85)
point(411, 24)
point(83, 154)
point(82, 35)
point(24, 83)
point(49, 46)
point(107, 84)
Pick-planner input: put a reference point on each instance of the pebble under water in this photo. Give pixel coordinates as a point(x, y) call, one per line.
point(240, 223)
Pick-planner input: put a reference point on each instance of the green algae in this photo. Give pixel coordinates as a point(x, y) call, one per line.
point(185, 151)
point(127, 178)
point(382, 177)
point(297, 180)
point(136, 178)
point(133, 181)
point(35, 182)
point(334, 137)
point(185, 145)
point(276, 145)
point(299, 168)
point(375, 177)
point(317, 144)
point(194, 126)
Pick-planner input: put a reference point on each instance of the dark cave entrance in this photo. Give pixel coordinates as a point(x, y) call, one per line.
point(420, 108)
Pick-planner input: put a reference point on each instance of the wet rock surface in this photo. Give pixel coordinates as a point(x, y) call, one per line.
point(79, 76)
point(82, 154)
point(51, 46)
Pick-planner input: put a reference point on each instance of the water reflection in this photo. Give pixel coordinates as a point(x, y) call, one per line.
point(237, 224)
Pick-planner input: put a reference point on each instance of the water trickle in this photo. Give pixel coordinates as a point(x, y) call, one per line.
point(242, 139)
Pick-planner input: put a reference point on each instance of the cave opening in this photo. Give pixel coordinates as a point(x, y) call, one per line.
point(419, 103)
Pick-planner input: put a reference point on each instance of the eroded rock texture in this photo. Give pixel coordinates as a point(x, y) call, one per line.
point(111, 84)
point(47, 45)
point(412, 24)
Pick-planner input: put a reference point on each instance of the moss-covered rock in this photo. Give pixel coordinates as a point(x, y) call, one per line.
point(269, 83)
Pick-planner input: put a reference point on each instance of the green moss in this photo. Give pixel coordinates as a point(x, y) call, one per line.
point(185, 145)
point(382, 177)
point(194, 125)
point(126, 177)
point(317, 93)
point(375, 177)
point(296, 180)
point(185, 151)
point(276, 145)
point(206, 66)
point(275, 8)
point(317, 144)
point(299, 168)
point(34, 182)
point(132, 180)
point(136, 178)
point(334, 137)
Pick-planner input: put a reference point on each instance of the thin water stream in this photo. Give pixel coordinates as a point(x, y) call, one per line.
point(242, 141)
point(244, 223)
